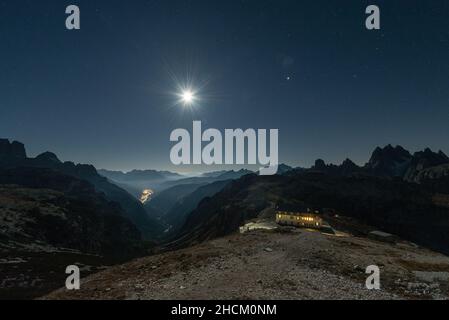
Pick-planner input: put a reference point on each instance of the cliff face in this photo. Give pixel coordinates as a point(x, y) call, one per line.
point(398, 162)
point(389, 161)
point(11, 151)
point(427, 165)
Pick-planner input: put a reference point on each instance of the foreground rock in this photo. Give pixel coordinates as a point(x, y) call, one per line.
point(300, 265)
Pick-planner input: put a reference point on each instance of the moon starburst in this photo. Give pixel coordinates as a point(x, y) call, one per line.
point(187, 97)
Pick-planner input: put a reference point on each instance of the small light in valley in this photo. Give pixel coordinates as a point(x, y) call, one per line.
point(146, 195)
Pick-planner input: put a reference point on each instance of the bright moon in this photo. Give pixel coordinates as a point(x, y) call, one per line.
point(187, 97)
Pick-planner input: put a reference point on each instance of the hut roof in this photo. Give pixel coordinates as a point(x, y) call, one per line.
point(294, 208)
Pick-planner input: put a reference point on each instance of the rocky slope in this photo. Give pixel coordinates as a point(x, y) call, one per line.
point(48, 221)
point(176, 216)
point(80, 220)
point(274, 265)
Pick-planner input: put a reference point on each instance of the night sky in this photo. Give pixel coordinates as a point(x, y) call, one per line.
point(105, 94)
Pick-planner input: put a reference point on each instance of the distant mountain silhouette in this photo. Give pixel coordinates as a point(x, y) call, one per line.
point(347, 168)
point(208, 178)
point(282, 169)
point(213, 174)
point(136, 181)
point(398, 162)
point(391, 162)
point(139, 175)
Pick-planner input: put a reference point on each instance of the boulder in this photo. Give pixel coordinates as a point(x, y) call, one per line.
point(382, 236)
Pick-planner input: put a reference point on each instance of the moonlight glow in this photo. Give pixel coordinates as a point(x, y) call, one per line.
point(187, 97)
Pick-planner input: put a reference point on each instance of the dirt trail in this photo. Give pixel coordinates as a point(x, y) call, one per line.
point(272, 265)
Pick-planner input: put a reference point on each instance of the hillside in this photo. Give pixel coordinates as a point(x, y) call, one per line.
point(172, 205)
point(398, 207)
point(13, 155)
point(274, 265)
point(176, 216)
point(54, 220)
point(77, 218)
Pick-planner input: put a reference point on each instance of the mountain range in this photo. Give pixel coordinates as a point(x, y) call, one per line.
point(393, 162)
point(137, 180)
point(139, 175)
point(49, 207)
point(13, 156)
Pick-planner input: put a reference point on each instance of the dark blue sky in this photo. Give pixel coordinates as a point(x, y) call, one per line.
point(103, 95)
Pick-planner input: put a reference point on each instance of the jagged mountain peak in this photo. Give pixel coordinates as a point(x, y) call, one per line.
point(389, 161)
point(430, 158)
point(12, 149)
point(347, 167)
point(319, 164)
point(348, 162)
point(48, 156)
point(427, 164)
point(389, 153)
point(429, 151)
point(283, 168)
